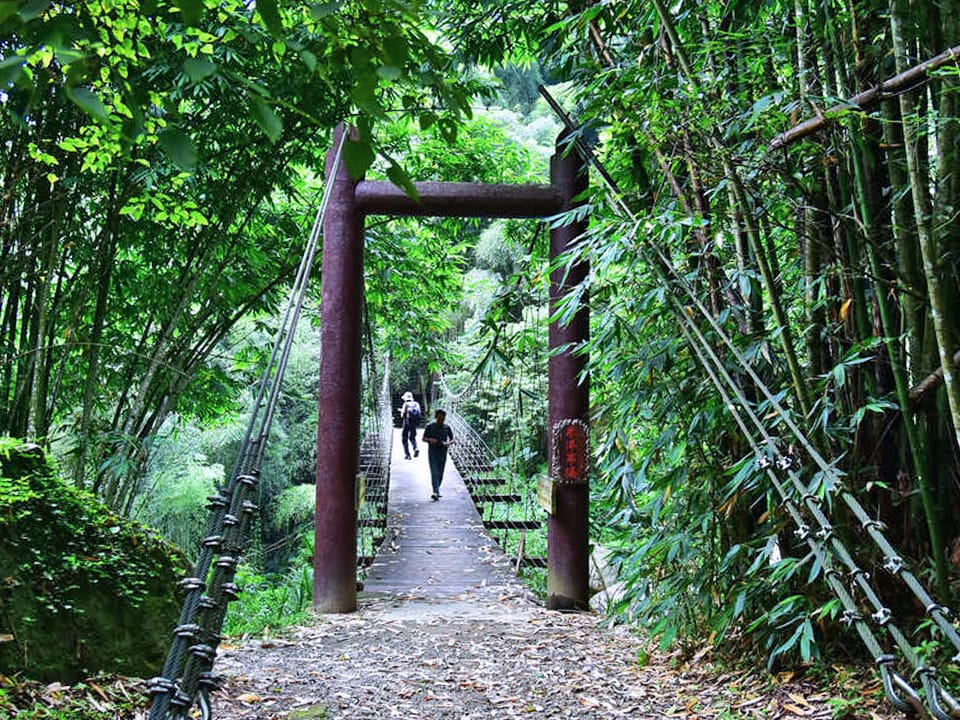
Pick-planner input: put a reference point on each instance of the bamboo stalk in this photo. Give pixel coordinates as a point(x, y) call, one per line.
point(925, 233)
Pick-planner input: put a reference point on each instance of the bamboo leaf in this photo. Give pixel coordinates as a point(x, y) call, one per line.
point(179, 148)
point(198, 68)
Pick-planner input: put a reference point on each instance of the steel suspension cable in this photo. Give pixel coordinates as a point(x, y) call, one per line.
point(186, 678)
point(893, 682)
point(823, 537)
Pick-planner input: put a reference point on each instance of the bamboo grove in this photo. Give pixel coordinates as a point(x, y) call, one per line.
point(796, 163)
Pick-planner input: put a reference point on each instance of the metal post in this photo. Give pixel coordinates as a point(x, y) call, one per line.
point(338, 428)
point(568, 580)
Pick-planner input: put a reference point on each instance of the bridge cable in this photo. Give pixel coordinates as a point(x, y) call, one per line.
point(829, 481)
point(186, 679)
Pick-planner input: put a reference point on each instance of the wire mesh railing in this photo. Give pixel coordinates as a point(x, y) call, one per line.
point(506, 501)
point(373, 481)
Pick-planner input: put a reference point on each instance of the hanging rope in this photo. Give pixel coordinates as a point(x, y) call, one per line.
point(796, 496)
point(186, 679)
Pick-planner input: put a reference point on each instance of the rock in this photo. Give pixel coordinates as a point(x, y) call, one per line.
point(82, 591)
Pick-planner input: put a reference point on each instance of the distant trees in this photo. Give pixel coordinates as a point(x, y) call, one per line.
point(146, 161)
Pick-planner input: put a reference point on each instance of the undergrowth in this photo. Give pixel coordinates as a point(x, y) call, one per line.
point(269, 602)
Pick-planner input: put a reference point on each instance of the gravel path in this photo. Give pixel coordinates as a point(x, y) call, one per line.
point(445, 630)
point(495, 654)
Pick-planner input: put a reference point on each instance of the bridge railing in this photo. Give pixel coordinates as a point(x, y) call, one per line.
point(373, 481)
point(506, 501)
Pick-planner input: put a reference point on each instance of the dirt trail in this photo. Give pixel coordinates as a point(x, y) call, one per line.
point(495, 654)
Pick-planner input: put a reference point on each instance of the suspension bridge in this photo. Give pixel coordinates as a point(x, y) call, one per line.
point(440, 549)
point(355, 537)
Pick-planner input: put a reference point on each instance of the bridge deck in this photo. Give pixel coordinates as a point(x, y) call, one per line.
point(433, 549)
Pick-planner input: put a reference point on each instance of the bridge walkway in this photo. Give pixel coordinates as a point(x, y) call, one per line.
point(433, 549)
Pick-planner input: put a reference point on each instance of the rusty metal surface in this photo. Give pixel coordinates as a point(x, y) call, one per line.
point(338, 427)
point(446, 199)
point(568, 582)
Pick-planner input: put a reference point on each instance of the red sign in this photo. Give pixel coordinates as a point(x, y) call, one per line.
point(571, 452)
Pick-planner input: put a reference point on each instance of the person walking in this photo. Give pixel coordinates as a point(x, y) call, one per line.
point(439, 437)
point(410, 419)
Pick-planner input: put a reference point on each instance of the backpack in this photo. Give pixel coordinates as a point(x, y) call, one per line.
point(413, 415)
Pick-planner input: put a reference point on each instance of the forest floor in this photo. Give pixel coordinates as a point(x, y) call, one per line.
point(492, 654)
point(503, 656)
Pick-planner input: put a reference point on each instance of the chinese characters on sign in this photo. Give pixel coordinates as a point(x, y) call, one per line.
point(570, 452)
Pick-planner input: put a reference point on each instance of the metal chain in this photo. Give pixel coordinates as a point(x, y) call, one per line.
point(212, 609)
point(163, 687)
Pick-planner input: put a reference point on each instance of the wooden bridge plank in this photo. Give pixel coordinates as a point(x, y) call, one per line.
point(508, 498)
point(433, 548)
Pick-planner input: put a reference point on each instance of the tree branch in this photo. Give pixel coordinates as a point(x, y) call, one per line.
point(930, 383)
point(902, 82)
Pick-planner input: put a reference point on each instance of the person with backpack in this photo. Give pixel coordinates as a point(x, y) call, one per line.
point(410, 419)
point(439, 437)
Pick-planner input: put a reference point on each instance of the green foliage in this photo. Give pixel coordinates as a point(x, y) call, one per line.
point(269, 603)
point(803, 258)
point(294, 505)
point(154, 162)
point(179, 481)
point(415, 268)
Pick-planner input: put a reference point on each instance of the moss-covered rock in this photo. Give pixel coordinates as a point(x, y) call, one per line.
point(82, 590)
